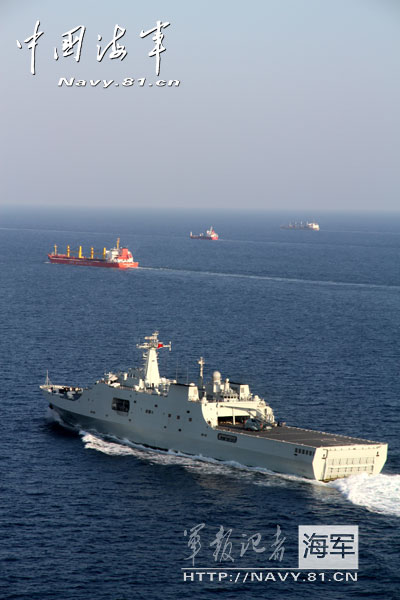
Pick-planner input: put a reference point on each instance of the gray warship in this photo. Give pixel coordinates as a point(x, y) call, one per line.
point(220, 419)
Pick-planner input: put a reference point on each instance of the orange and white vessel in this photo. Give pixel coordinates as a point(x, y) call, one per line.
point(114, 258)
point(210, 234)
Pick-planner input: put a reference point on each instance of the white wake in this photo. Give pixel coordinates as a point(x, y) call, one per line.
point(277, 279)
point(378, 493)
point(195, 463)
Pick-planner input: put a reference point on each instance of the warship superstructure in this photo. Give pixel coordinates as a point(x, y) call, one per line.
point(220, 418)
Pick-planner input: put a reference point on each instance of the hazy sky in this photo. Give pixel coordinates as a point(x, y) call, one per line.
point(283, 104)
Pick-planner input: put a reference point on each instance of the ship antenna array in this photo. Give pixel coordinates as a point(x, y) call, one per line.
point(153, 342)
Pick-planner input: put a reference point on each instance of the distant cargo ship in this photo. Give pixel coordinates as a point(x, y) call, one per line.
point(302, 225)
point(208, 235)
point(114, 258)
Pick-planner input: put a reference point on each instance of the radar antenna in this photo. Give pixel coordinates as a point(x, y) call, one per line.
point(153, 342)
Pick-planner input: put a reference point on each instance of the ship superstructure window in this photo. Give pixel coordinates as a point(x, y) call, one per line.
point(120, 405)
point(302, 451)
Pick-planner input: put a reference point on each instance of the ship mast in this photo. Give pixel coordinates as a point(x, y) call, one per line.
point(201, 362)
point(47, 382)
point(150, 357)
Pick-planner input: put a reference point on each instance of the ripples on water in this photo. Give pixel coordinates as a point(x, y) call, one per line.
point(309, 320)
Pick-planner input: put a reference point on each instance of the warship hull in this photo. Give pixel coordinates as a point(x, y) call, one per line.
point(176, 423)
point(219, 419)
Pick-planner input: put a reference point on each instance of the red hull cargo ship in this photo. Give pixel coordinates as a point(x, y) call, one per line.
point(114, 258)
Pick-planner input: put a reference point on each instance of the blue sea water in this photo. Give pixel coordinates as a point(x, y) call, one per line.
point(310, 320)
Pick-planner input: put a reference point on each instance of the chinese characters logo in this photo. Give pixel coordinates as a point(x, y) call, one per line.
point(226, 550)
point(328, 546)
point(72, 42)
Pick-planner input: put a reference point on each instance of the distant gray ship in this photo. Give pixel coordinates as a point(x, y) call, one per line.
point(312, 225)
point(219, 419)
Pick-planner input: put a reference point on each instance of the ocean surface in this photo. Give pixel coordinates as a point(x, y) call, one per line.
point(310, 320)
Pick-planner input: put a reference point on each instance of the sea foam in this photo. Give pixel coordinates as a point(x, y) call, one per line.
point(378, 493)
